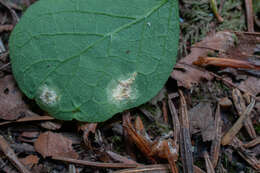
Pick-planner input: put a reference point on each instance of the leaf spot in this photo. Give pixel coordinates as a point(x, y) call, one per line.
point(123, 90)
point(48, 96)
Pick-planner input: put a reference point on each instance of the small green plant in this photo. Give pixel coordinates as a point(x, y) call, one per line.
point(90, 59)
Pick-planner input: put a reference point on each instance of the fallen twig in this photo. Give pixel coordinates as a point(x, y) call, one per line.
point(34, 117)
point(95, 164)
point(225, 62)
point(162, 168)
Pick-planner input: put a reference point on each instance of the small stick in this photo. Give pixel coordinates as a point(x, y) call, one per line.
point(95, 164)
point(8, 151)
point(27, 119)
point(215, 10)
point(225, 62)
point(228, 137)
point(147, 168)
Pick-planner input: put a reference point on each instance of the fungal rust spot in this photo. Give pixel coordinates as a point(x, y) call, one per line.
point(124, 90)
point(48, 95)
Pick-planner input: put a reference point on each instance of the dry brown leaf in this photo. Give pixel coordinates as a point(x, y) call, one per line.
point(200, 112)
point(29, 161)
point(54, 144)
point(12, 105)
point(251, 85)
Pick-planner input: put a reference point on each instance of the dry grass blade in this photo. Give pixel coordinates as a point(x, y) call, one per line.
point(228, 137)
point(240, 105)
point(185, 139)
point(95, 164)
point(4, 146)
point(209, 165)
point(215, 147)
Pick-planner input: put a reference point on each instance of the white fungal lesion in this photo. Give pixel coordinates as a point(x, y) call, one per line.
point(48, 96)
point(122, 89)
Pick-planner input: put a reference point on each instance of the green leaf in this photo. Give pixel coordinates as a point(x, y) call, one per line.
point(90, 59)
